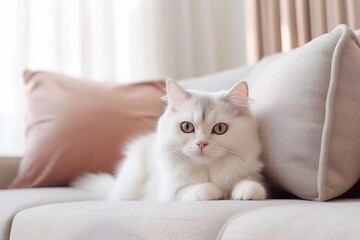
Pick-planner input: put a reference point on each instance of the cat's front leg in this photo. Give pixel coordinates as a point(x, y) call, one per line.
point(247, 189)
point(199, 192)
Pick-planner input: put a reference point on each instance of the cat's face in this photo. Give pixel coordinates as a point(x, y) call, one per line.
point(203, 127)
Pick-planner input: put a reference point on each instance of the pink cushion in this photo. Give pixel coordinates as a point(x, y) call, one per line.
point(76, 126)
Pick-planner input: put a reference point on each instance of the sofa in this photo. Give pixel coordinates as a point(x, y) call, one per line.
point(305, 101)
point(67, 213)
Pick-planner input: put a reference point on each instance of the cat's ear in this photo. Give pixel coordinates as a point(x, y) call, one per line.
point(238, 95)
point(175, 95)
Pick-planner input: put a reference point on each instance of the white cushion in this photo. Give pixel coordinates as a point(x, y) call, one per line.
point(307, 103)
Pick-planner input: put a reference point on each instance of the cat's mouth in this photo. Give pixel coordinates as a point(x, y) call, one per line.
point(201, 154)
point(205, 154)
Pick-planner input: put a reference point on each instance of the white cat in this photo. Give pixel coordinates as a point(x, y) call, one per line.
point(206, 147)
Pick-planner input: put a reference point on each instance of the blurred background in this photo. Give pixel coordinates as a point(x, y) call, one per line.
point(127, 41)
point(111, 40)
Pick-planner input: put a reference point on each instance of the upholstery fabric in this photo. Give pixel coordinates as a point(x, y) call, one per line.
point(327, 221)
point(8, 170)
point(136, 220)
point(15, 200)
point(218, 81)
point(307, 103)
point(77, 126)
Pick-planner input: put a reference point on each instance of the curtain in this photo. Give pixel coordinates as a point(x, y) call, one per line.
point(111, 40)
point(281, 25)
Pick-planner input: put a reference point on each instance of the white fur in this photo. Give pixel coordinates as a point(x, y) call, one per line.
point(99, 184)
point(169, 165)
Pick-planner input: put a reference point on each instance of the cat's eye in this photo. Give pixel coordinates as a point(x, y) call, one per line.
point(187, 127)
point(220, 128)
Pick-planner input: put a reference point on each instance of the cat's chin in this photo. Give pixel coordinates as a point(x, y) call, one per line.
point(207, 154)
point(203, 158)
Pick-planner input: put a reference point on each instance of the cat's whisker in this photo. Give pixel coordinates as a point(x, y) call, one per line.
point(178, 156)
point(231, 154)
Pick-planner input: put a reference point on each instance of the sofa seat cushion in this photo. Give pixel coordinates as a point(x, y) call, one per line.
point(330, 221)
point(14, 201)
point(132, 220)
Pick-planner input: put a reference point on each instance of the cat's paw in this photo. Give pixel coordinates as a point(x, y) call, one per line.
point(248, 190)
point(203, 192)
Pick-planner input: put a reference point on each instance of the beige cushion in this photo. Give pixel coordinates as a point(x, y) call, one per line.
point(16, 200)
point(76, 126)
point(307, 102)
point(137, 220)
point(320, 221)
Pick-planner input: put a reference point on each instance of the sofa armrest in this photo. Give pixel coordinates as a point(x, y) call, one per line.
point(8, 170)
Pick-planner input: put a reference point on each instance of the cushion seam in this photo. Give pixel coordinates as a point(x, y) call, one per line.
point(329, 115)
point(231, 219)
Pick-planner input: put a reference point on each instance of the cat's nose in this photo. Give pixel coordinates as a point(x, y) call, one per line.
point(202, 145)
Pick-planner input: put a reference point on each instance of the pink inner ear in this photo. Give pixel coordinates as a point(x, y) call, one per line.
point(176, 95)
point(243, 88)
point(237, 99)
point(238, 95)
